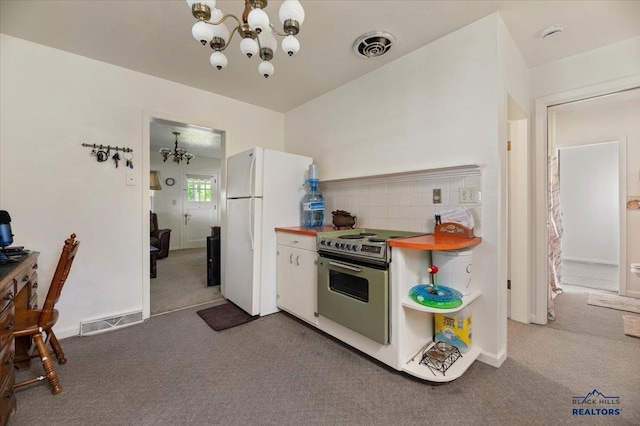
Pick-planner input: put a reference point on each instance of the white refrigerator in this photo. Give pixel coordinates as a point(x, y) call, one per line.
point(264, 191)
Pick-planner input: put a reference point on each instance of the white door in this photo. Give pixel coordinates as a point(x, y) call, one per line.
point(199, 208)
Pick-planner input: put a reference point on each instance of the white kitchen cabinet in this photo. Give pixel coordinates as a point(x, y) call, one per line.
point(297, 275)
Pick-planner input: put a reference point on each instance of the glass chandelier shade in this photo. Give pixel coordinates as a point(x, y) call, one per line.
point(255, 29)
point(178, 154)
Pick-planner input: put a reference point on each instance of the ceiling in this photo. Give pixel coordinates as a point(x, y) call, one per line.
point(154, 37)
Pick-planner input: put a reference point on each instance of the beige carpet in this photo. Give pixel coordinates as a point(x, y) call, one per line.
point(174, 370)
point(182, 282)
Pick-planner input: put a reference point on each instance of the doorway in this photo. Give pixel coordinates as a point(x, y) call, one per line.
point(589, 194)
point(518, 213)
point(576, 129)
point(190, 188)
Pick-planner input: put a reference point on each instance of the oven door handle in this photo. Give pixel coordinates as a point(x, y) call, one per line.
point(345, 266)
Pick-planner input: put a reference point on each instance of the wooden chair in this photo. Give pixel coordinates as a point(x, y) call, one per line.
point(34, 322)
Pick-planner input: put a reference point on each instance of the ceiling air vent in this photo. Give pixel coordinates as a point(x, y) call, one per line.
point(373, 44)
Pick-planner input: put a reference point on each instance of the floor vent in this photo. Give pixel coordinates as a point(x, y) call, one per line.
point(106, 324)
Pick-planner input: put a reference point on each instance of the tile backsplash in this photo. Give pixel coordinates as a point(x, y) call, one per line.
point(404, 202)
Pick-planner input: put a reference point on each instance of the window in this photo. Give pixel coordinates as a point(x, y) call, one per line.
point(198, 188)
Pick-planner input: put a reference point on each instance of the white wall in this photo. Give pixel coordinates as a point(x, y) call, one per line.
point(168, 201)
point(589, 203)
point(51, 102)
point(615, 61)
point(438, 106)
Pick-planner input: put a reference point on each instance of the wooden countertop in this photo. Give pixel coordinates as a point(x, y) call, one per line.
point(435, 242)
point(302, 230)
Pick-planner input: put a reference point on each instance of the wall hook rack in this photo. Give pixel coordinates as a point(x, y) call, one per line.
point(102, 153)
point(107, 147)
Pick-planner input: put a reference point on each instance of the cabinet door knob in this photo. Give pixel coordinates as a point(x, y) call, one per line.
point(9, 296)
point(298, 260)
point(9, 325)
point(25, 278)
point(35, 285)
point(291, 258)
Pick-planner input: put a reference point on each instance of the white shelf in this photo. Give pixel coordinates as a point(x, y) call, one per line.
point(456, 369)
point(408, 302)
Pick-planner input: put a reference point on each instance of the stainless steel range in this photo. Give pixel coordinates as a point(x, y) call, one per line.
point(353, 279)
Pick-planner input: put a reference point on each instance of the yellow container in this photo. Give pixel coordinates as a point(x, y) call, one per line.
point(454, 328)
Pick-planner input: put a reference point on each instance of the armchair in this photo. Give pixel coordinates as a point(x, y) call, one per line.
point(159, 237)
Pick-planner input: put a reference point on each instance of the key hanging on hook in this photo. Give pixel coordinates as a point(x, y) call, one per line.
point(129, 162)
point(116, 158)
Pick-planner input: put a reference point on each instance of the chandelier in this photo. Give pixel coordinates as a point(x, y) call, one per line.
point(254, 28)
point(179, 154)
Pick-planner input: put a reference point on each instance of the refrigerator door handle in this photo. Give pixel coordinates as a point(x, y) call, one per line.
point(252, 184)
point(251, 208)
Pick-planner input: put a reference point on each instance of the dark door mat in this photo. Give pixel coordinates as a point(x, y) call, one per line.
point(225, 316)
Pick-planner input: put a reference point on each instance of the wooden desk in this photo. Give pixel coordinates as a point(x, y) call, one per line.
point(18, 284)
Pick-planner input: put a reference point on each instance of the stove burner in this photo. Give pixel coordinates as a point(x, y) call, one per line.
point(351, 237)
point(377, 240)
point(367, 234)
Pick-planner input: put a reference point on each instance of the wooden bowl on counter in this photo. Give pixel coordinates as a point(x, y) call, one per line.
point(342, 221)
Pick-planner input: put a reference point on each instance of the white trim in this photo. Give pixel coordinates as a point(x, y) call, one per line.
point(540, 191)
point(494, 360)
point(622, 210)
point(587, 260)
point(441, 173)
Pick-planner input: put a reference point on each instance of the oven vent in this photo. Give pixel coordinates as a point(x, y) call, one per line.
point(373, 44)
point(110, 323)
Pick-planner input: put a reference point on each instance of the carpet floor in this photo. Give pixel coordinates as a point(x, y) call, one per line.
point(182, 282)
point(174, 370)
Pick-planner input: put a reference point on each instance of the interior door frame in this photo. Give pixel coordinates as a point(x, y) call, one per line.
point(539, 290)
point(147, 117)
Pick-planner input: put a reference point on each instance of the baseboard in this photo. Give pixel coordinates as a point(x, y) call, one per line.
point(494, 360)
point(633, 293)
point(587, 260)
point(101, 325)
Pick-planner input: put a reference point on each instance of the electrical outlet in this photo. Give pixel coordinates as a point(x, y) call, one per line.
point(131, 179)
point(467, 195)
point(437, 199)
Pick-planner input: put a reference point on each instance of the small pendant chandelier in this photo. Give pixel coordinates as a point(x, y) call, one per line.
point(254, 28)
point(179, 154)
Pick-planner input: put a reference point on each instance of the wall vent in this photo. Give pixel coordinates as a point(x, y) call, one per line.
point(106, 324)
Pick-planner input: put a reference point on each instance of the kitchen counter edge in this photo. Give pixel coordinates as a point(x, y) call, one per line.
point(302, 230)
point(435, 242)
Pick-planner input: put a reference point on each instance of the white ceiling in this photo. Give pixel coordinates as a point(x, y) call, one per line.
point(154, 37)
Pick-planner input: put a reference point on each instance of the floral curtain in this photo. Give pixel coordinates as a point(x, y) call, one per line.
point(554, 227)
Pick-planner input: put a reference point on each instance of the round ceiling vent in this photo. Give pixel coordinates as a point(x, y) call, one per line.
point(373, 44)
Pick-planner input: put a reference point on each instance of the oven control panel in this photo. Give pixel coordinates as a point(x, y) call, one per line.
point(354, 248)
